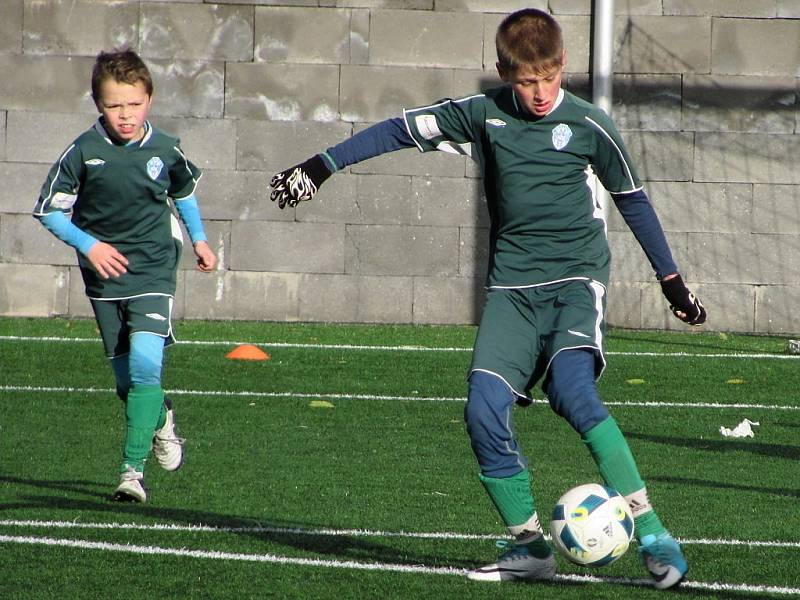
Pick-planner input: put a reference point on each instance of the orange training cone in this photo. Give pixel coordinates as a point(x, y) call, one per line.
point(247, 352)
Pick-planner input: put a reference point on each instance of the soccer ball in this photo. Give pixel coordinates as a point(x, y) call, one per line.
point(592, 525)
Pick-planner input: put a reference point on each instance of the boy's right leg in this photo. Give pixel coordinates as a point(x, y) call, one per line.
point(505, 477)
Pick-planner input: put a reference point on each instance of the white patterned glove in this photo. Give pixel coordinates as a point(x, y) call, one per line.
point(299, 183)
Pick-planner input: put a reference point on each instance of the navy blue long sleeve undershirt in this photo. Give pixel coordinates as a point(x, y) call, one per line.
point(635, 207)
point(641, 218)
point(383, 137)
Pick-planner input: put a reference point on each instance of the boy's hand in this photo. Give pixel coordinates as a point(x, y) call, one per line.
point(299, 183)
point(682, 302)
point(107, 260)
point(206, 259)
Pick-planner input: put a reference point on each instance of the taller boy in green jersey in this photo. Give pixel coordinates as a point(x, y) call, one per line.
point(108, 196)
point(549, 261)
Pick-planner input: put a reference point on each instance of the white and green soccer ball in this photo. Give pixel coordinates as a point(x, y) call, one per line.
point(592, 525)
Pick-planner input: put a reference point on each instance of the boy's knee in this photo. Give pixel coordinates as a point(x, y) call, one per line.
point(571, 390)
point(145, 359)
point(487, 396)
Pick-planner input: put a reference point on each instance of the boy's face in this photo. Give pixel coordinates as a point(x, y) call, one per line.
point(125, 108)
point(536, 90)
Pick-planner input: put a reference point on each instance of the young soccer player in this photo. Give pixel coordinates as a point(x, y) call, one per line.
point(549, 263)
point(108, 196)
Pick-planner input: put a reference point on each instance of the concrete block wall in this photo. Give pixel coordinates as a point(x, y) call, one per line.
point(705, 92)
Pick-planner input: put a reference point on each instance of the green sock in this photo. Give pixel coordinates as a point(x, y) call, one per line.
point(617, 467)
point(162, 417)
point(514, 501)
point(648, 524)
point(613, 457)
point(511, 496)
point(142, 410)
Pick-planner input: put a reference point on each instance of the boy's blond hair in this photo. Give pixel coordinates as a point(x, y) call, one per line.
point(529, 38)
point(123, 66)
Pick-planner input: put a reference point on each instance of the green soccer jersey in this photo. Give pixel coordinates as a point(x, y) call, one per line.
point(120, 195)
point(546, 223)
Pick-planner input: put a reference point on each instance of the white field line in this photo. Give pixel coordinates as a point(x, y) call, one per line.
point(319, 396)
point(400, 348)
point(430, 535)
point(311, 562)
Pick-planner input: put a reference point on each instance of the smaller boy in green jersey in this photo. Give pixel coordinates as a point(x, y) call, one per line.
point(543, 321)
point(109, 196)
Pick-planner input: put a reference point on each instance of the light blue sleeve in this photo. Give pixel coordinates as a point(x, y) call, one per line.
point(189, 212)
point(64, 229)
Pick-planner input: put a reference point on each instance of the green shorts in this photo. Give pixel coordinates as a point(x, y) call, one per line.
point(118, 319)
point(522, 329)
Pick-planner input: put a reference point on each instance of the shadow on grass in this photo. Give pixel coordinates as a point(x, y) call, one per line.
point(301, 536)
point(768, 450)
point(725, 485)
point(79, 487)
point(681, 342)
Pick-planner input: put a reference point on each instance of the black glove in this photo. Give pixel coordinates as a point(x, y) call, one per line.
point(681, 300)
point(300, 182)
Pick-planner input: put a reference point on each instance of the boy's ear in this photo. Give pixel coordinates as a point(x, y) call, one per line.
point(502, 72)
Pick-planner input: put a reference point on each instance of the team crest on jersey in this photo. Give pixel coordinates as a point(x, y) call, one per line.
point(154, 166)
point(561, 135)
point(95, 162)
point(496, 122)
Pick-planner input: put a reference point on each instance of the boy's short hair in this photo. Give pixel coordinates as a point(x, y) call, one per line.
point(531, 38)
point(123, 66)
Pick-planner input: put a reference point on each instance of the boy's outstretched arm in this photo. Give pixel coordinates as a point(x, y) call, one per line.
point(640, 216)
point(301, 182)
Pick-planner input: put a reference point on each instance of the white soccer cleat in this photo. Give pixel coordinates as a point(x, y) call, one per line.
point(517, 564)
point(130, 488)
point(168, 447)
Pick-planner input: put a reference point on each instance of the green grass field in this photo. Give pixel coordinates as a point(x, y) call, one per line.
point(340, 467)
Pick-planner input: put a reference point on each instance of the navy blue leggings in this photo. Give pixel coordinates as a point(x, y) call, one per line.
point(571, 391)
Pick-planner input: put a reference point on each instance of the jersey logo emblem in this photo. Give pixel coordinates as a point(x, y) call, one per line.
point(561, 135)
point(94, 162)
point(496, 122)
point(154, 166)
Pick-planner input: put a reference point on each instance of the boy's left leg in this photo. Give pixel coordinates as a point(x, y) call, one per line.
point(144, 408)
point(150, 420)
point(571, 390)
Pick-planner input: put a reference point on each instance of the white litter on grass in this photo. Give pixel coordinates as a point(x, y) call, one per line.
point(743, 429)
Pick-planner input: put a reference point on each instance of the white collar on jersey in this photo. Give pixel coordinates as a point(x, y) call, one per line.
point(556, 104)
point(100, 128)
